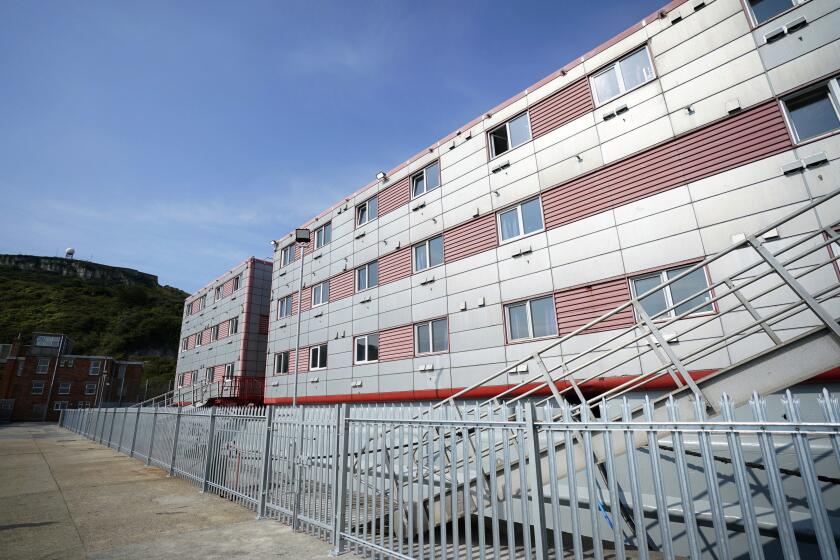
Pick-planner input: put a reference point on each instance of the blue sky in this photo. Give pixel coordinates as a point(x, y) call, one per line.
point(179, 137)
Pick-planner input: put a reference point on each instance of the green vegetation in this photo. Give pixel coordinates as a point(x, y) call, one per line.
point(140, 322)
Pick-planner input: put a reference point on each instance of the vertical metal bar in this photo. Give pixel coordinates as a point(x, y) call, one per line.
point(297, 468)
point(111, 429)
point(152, 436)
point(571, 480)
point(208, 458)
point(787, 535)
point(658, 486)
point(713, 490)
point(493, 468)
point(134, 435)
point(466, 446)
point(523, 478)
point(686, 496)
point(535, 479)
point(642, 537)
point(612, 488)
point(591, 481)
point(551, 448)
point(829, 407)
point(265, 467)
point(741, 482)
point(819, 516)
point(175, 442)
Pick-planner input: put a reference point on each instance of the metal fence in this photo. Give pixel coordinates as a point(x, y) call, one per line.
point(514, 480)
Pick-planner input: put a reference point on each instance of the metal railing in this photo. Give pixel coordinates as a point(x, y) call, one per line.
point(242, 388)
point(762, 480)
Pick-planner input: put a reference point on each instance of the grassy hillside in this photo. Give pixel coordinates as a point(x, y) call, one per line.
point(139, 321)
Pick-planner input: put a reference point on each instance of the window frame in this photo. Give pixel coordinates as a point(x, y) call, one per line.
point(366, 268)
point(60, 405)
point(287, 255)
point(367, 359)
point(320, 293)
point(288, 308)
point(754, 19)
point(520, 220)
point(40, 384)
point(46, 366)
point(90, 393)
point(529, 316)
point(322, 349)
point(428, 324)
point(506, 126)
point(323, 242)
point(425, 245)
point(616, 65)
point(229, 371)
point(67, 384)
point(237, 282)
point(833, 86)
point(423, 172)
point(233, 326)
point(669, 301)
point(366, 206)
point(282, 358)
point(217, 293)
point(95, 370)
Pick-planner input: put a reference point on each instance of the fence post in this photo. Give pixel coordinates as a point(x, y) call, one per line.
point(111, 429)
point(340, 456)
point(96, 426)
point(175, 442)
point(536, 483)
point(297, 470)
point(122, 430)
point(207, 458)
point(61, 418)
point(134, 436)
point(152, 437)
point(265, 469)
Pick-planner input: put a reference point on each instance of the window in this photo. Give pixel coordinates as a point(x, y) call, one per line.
point(233, 326)
point(62, 363)
point(287, 255)
point(228, 371)
point(367, 348)
point(428, 254)
point(90, 388)
point(323, 235)
point(84, 404)
point(366, 211)
point(43, 366)
point(198, 339)
point(70, 362)
point(184, 343)
point(660, 300)
point(237, 282)
point(217, 294)
point(64, 388)
point(815, 111)
point(284, 306)
point(520, 220)
point(763, 10)
point(37, 388)
point(431, 336)
point(318, 357)
point(95, 366)
point(426, 180)
point(208, 375)
point(626, 74)
point(534, 318)
point(60, 405)
point(321, 293)
point(214, 333)
point(281, 363)
point(508, 136)
point(367, 276)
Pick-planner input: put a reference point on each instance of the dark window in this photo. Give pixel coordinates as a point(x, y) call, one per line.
point(814, 112)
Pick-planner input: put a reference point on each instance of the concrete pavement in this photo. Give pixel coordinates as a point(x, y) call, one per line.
point(63, 496)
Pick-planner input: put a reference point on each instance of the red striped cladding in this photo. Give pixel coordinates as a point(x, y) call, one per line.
point(218, 373)
point(227, 288)
point(561, 107)
point(224, 329)
point(396, 343)
point(395, 266)
point(263, 324)
point(394, 196)
point(578, 306)
point(342, 285)
point(749, 136)
point(470, 238)
point(303, 353)
point(306, 298)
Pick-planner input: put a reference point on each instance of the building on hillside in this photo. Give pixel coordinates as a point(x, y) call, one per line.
point(705, 121)
point(223, 337)
point(43, 377)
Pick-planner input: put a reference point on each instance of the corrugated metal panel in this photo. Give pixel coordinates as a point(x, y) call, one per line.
point(394, 196)
point(263, 324)
point(218, 372)
point(188, 377)
point(470, 238)
point(396, 343)
point(191, 342)
point(304, 360)
point(224, 329)
point(205, 336)
point(747, 137)
point(578, 306)
point(395, 266)
point(561, 107)
point(306, 298)
point(294, 303)
point(342, 285)
point(227, 288)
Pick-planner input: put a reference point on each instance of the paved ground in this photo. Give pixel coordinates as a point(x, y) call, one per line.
point(62, 496)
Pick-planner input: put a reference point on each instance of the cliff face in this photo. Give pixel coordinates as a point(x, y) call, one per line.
point(76, 268)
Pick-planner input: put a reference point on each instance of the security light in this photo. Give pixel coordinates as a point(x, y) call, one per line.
point(302, 235)
point(381, 175)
